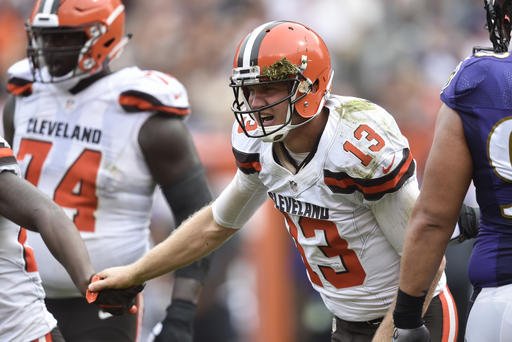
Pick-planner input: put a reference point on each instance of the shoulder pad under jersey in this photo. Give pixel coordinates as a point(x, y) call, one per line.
point(246, 150)
point(20, 79)
point(476, 80)
point(153, 91)
point(371, 155)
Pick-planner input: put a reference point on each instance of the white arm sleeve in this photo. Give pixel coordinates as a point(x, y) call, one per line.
point(393, 211)
point(239, 201)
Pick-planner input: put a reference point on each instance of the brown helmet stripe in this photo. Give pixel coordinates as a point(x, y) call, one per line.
point(240, 59)
point(48, 6)
point(55, 6)
point(249, 50)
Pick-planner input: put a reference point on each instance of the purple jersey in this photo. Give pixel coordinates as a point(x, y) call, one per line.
point(480, 91)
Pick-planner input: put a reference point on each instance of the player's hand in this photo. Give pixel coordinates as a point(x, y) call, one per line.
point(114, 278)
point(114, 301)
point(469, 220)
point(420, 334)
point(178, 324)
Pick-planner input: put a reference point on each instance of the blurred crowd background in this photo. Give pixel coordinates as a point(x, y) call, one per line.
point(397, 53)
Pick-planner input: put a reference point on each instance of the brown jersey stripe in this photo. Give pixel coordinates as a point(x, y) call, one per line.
point(134, 101)
point(8, 161)
point(19, 87)
point(247, 162)
point(372, 189)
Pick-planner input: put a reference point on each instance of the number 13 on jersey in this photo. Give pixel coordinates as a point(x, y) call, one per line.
point(350, 273)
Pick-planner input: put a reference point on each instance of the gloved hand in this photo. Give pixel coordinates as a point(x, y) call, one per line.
point(420, 334)
point(469, 220)
point(178, 324)
point(115, 301)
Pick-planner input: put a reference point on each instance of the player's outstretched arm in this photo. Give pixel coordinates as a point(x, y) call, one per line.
point(195, 238)
point(25, 205)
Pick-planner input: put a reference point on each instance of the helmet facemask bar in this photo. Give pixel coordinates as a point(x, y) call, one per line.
point(499, 23)
point(47, 58)
point(250, 119)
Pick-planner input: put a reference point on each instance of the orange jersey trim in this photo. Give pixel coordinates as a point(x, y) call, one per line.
point(19, 87)
point(6, 152)
point(28, 253)
point(247, 162)
point(372, 189)
point(450, 320)
point(253, 166)
point(133, 103)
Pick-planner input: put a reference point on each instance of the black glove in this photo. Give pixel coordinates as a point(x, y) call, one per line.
point(469, 219)
point(178, 325)
point(115, 301)
point(420, 334)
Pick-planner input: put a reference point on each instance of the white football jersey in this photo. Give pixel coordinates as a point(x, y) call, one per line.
point(345, 208)
point(23, 314)
point(82, 150)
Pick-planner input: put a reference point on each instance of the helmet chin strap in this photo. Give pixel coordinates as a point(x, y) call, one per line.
point(281, 133)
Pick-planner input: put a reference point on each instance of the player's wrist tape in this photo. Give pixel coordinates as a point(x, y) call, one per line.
point(408, 310)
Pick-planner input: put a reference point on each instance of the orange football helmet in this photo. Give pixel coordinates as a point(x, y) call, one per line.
point(281, 51)
point(74, 37)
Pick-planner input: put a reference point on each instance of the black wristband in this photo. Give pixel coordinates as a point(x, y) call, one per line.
point(181, 310)
point(408, 311)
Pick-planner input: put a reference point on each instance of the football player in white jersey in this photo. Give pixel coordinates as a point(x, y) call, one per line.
point(24, 316)
point(98, 142)
point(336, 167)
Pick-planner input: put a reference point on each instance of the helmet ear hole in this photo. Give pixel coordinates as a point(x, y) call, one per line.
point(315, 86)
point(109, 42)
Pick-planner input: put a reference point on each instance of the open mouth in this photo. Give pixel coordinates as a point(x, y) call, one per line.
point(266, 119)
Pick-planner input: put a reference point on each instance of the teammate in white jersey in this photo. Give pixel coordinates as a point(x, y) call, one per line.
point(336, 167)
point(98, 142)
point(24, 316)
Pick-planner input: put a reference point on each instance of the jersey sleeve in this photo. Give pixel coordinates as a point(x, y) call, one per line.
point(245, 194)
point(472, 83)
point(153, 91)
point(393, 211)
point(20, 79)
point(372, 156)
point(239, 201)
point(246, 151)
